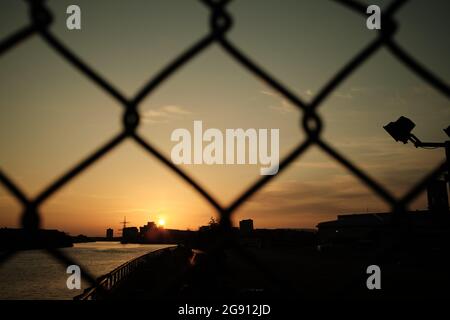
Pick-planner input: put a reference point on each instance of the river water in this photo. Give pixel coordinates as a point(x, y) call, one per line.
point(34, 274)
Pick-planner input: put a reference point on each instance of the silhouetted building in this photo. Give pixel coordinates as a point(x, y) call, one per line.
point(150, 233)
point(246, 226)
point(281, 238)
point(437, 196)
point(109, 233)
point(353, 227)
point(130, 234)
point(378, 229)
point(147, 228)
point(81, 238)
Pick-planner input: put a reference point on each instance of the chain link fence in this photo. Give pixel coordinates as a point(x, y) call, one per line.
point(220, 23)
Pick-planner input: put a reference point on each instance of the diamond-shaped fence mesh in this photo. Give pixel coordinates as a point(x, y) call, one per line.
point(220, 23)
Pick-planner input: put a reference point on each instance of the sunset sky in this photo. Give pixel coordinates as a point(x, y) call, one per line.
point(51, 116)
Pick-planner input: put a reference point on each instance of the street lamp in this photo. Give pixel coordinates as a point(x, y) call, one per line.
point(401, 130)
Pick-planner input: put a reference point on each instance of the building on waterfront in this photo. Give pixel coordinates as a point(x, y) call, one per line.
point(109, 233)
point(130, 234)
point(375, 229)
point(149, 227)
point(246, 226)
point(437, 196)
point(150, 232)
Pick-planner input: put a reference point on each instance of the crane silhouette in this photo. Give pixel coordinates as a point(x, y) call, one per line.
point(124, 223)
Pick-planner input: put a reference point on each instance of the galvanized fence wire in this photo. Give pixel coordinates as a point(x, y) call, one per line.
point(220, 23)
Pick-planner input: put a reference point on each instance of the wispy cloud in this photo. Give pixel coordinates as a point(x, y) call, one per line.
point(282, 106)
point(335, 195)
point(309, 93)
point(164, 114)
point(421, 89)
point(128, 211)
point(349, 93)
point(324, 188)
point(360, 89)
point(397, 99)
point(314, 165)
point(343, 95)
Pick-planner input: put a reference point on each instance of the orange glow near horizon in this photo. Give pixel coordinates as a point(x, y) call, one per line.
point(52, 118)
point(161, 222)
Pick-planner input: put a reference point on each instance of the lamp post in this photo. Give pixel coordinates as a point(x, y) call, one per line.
point(401, 130)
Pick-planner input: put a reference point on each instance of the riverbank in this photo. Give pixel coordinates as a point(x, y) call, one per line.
point(21, 239)
point(35, 275)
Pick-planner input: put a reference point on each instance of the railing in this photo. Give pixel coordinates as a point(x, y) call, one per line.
point(110, 280)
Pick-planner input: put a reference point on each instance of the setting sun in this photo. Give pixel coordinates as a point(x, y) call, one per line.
point(161, 222)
